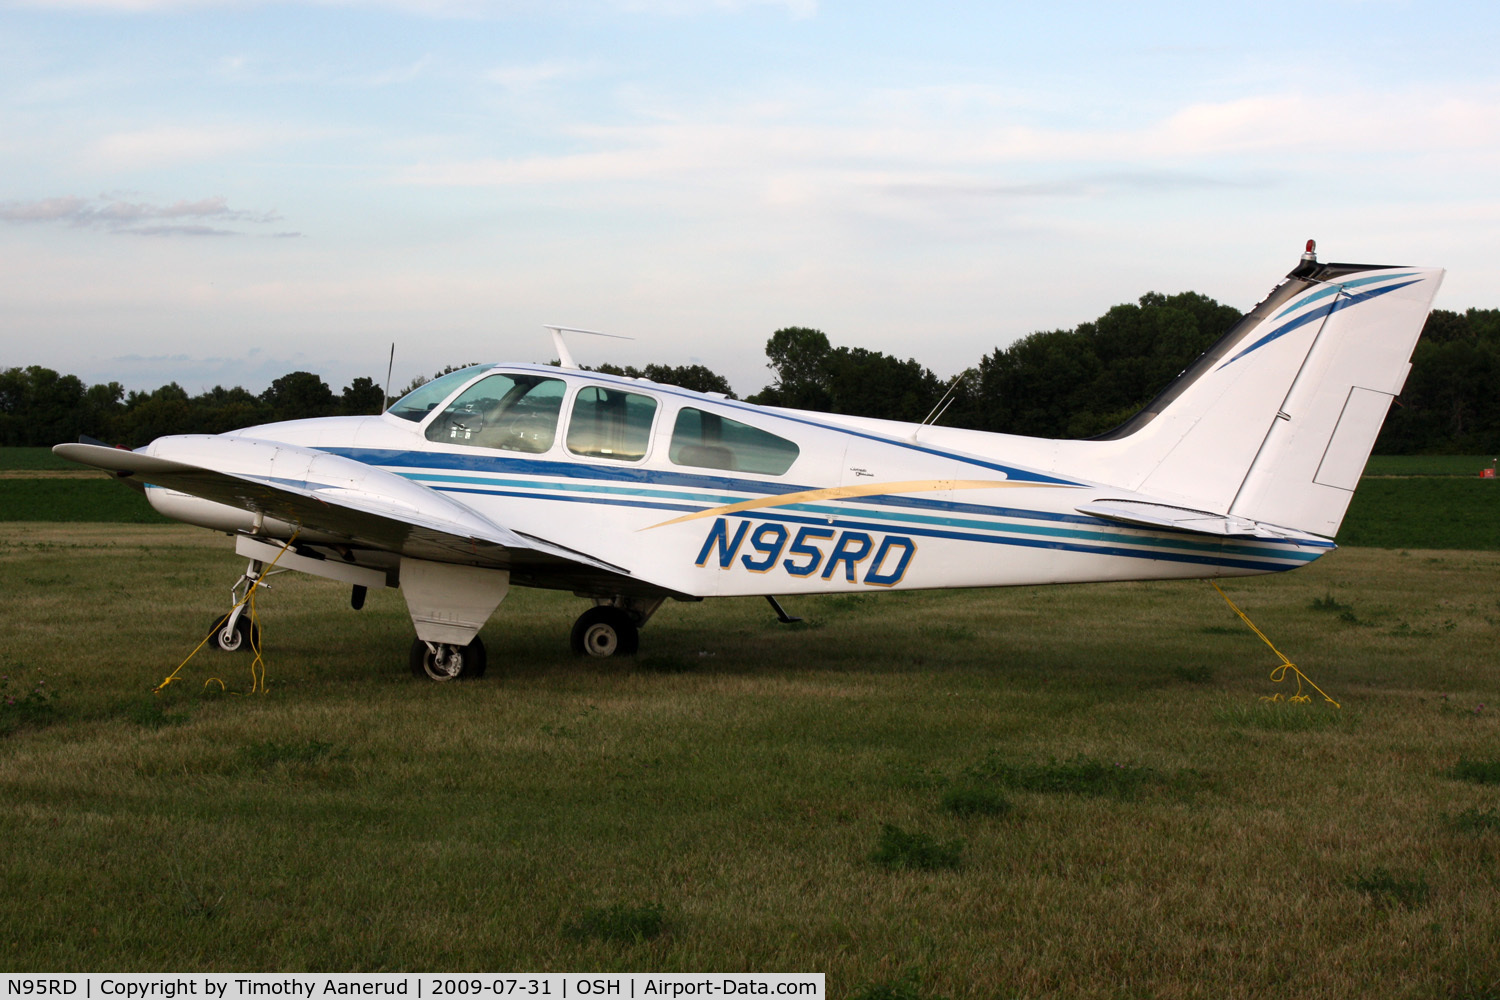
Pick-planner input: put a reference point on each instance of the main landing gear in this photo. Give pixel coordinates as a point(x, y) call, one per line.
point(612, 627)
point(442, 661)
point(605, 631)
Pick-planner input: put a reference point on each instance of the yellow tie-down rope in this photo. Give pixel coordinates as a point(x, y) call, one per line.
point(1279, 674)
point(257, 666)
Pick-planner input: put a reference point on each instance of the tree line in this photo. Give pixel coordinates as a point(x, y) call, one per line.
point(1060, 383)
point(40, 407)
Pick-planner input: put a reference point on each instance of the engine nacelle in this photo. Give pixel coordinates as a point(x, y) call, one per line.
point(222, 517)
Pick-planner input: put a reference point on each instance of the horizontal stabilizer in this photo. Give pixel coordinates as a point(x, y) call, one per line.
point(1160, 515)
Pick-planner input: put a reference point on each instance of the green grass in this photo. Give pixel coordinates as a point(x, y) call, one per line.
point(1284, 716)
point(1428, 465)
point(25, 704)
point(36, 485)
point(354, 818)
point(1078, 775)
point(915, 851)
point(1481, 772)
point(267, 754)
point(1386, 889)
point(94, 499)
point(619, 922)
point(976, 800)
point(33, 458)
point(1475, 821)
point(907, 986)
point(1424, 513)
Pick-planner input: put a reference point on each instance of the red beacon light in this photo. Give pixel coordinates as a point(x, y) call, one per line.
point(1311, 253)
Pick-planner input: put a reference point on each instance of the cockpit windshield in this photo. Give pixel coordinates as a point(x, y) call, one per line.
point(513, 411)
point(415, 405)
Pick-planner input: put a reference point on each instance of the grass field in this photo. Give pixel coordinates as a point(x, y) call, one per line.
point(1049, 792)
point(33, 458)
point(94, 499)
point(1428, 465)
point(1424, 512)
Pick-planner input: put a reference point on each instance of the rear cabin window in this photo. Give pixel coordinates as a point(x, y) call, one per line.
point(710, 441)
point(611, 423)
point(516, 412)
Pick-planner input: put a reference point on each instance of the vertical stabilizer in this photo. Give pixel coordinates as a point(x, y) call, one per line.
point(1275, 422)
point(1312, 458)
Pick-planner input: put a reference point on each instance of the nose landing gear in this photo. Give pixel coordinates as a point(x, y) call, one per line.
point(236, 631)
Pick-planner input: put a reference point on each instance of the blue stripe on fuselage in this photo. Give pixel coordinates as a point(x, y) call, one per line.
point(1061, 539)
point(640, 495)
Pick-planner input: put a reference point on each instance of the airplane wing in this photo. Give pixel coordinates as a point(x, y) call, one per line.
point(356, 504)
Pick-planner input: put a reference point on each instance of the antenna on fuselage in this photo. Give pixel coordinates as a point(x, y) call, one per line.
point(565, 359)
point(936, 413)
point(385, 400)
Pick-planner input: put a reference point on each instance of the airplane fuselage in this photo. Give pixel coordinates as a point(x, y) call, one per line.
point(855, 508)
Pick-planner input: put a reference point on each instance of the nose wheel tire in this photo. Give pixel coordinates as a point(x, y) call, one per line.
point(605, 631)
point(244, 636)
point(449, 662)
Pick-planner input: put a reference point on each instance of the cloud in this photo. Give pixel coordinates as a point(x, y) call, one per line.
point(203, 217)
point(179, 231)
point(46, 210)
point(1078, 186)
point(177, 144)
point(532, 75)
point(991, 148)
point(401, 74)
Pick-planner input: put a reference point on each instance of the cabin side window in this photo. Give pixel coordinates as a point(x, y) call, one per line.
point(611, 423)
point(712, 441)
point(516, 412)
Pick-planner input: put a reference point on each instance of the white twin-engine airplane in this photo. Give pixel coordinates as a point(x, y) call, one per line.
point(628, 492)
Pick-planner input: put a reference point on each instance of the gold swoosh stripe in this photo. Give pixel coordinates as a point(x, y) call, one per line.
point(857, 490)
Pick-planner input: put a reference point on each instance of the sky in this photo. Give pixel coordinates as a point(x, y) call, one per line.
point(218, 192)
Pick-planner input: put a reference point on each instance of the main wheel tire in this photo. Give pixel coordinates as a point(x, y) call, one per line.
point(471, 661)
point(246, 636)
point(605, 631)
